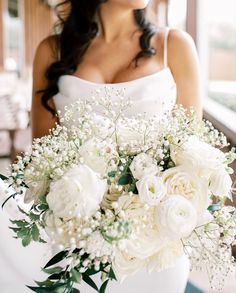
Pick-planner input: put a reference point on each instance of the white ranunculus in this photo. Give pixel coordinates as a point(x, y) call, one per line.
point(151, 189)
point(221, 183)
point(125, 265)
point(176, 217)
point(183, 181)
point(78, 193)
point(198, 155)
point(165, 258)
point(142, 165)
point(97, 154)
point(144, 239)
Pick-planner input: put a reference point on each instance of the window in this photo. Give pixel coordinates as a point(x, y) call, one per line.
point(13, 30)
point(221, 36)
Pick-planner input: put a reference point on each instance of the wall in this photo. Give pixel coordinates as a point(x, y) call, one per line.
point(38, 25)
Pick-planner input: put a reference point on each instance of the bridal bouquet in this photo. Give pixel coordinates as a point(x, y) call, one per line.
point(113, 195)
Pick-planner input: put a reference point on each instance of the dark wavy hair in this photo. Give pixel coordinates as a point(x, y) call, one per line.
point(77, 29)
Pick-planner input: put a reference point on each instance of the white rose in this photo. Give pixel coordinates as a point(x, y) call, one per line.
point(97, 154)
point(198, 155)
point(125, 265)
point(142, 165)
point(221, 183)
point(165, 258)
point(78, 193)
point(181, 180)
point(151, 189)
point(176, 217)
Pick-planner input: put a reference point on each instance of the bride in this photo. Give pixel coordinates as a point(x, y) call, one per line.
point(113, 43)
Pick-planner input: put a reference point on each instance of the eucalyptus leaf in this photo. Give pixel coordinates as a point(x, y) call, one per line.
point(124, 180)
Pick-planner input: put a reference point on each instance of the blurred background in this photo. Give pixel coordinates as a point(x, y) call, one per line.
point(211, 23)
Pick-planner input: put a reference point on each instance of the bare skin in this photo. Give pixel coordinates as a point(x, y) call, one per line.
point(108, 60)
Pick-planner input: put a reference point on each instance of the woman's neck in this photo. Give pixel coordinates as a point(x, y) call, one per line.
point(116, 21)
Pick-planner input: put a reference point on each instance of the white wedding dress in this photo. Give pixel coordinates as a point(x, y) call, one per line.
point(153, 94)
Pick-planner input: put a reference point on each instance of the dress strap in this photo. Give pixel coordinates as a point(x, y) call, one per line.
point(165, 55)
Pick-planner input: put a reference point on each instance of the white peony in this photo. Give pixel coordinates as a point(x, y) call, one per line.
point(198, 155)
point(125, 265)
point(102, 127)
point(183, 181)
point(142, 165)
point(221, 183)
point(37, 185)
point(176, 217)
point(97, 154)
point(78, 193)
point(166, 257)
point(126, 132)
point(151, 189)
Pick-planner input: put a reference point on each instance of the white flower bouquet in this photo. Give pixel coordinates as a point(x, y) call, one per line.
point(113, 195)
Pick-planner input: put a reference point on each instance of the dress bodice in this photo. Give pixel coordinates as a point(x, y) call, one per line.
point(153, 94)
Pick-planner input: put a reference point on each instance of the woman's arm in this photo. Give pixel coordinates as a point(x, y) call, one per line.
point(183, 61)
point(41, 119)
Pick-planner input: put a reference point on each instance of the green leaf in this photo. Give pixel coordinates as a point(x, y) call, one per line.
point(42, 241)
point(35, 232)
point(26, 240)
point(15, 229)
point(52, 270)
point(19, 223)
point(91, 272)
point(45, 283)
point(3, 177)
point(57, 258)
point(74, 290)
point(22, 211)
point(42, 207)
point(103, 287)
point(57, 288)
point(76, 276)
point(124, 180)
point(112, 275)
point(34, 217)
point(9, 197)
point(22, 233)
point(90, 282)
point(214, 207)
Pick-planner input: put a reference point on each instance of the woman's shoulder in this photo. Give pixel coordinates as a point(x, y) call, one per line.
point(48, 49)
